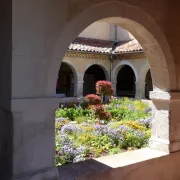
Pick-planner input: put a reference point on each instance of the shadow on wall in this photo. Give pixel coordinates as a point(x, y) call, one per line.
point(78, 170)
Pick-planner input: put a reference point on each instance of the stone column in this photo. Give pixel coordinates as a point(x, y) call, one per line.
point(140, 90)
point(78, 85)
point(166, 123)
point(34, 139)
point(114, 83)
point(5, 144)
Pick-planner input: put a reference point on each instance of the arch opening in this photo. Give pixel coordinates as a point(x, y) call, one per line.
point(126, 82)
point(148, 84)
point(139, 23)
point(66, 80)
point(163, 80)
point(145, 30)
point(93, 74)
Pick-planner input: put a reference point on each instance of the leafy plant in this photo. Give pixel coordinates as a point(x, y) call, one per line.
point(135, 139)
point(70, 113)
point(115, 150)
point(100, 112)
point(104, 88)
point(92, 99)
point(126, 128)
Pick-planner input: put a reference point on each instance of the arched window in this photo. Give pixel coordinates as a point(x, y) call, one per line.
point(126, 82)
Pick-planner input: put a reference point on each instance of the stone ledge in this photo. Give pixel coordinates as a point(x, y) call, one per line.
point(160, 95)
point(164, 145)
point(131, 157)
point(69, 99)
point(75, 171)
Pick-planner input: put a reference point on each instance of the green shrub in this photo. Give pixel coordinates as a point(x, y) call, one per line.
point(115, 150)
point(60, 113)
point(134, 139)
point(70, 113)
point(84, 104)
point(87, 112)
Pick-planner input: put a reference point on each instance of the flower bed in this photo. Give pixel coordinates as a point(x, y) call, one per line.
point(85, 131)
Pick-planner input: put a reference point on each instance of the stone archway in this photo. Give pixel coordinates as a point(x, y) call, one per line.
point(144, 29)
point(117, 69)
point(148, 84)
point(33, 106)
point(66, 81)
point(101, 65)
point(151, 38)
point(93, 74)
point(126, 82)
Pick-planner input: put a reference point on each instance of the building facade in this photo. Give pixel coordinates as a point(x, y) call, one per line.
point(104, 51)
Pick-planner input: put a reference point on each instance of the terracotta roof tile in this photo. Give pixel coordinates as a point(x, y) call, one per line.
point(103, 46)
point(91, 45)
point(131, 46)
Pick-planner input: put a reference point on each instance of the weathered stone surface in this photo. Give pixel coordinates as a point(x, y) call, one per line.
point(165, 125)
point(165, 168)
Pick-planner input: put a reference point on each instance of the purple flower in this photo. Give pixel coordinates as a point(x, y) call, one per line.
point(115, 134)
point(60, 119)
point(140, 135)
point(100, 129)
point(65, 140)
point(130, 106)
point(146, 122)
point(70, 128)
point(148, 110)
point(69, 152)
point(124, 129)
point(78, 159)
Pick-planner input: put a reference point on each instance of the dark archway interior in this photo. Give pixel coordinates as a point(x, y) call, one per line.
point(148, 84)
point(91, 76)
point(65, 81)
point(126, 82)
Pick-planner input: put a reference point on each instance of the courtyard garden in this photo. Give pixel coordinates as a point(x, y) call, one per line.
point(95, 127)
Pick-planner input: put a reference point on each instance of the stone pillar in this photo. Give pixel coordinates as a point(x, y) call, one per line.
point(114, 83)
point(166, 123)
point(34, 139)
point(6, 134)
point(140, 90)
point(78, 88)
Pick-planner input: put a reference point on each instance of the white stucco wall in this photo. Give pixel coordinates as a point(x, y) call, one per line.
point(106, 31)
point(98, 30)
point(123, 35)
point(139, 66)
point(82, 64)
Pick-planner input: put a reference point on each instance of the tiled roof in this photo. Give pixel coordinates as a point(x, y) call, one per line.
point(131, 46)
point(103, 46)
point(91, 45)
